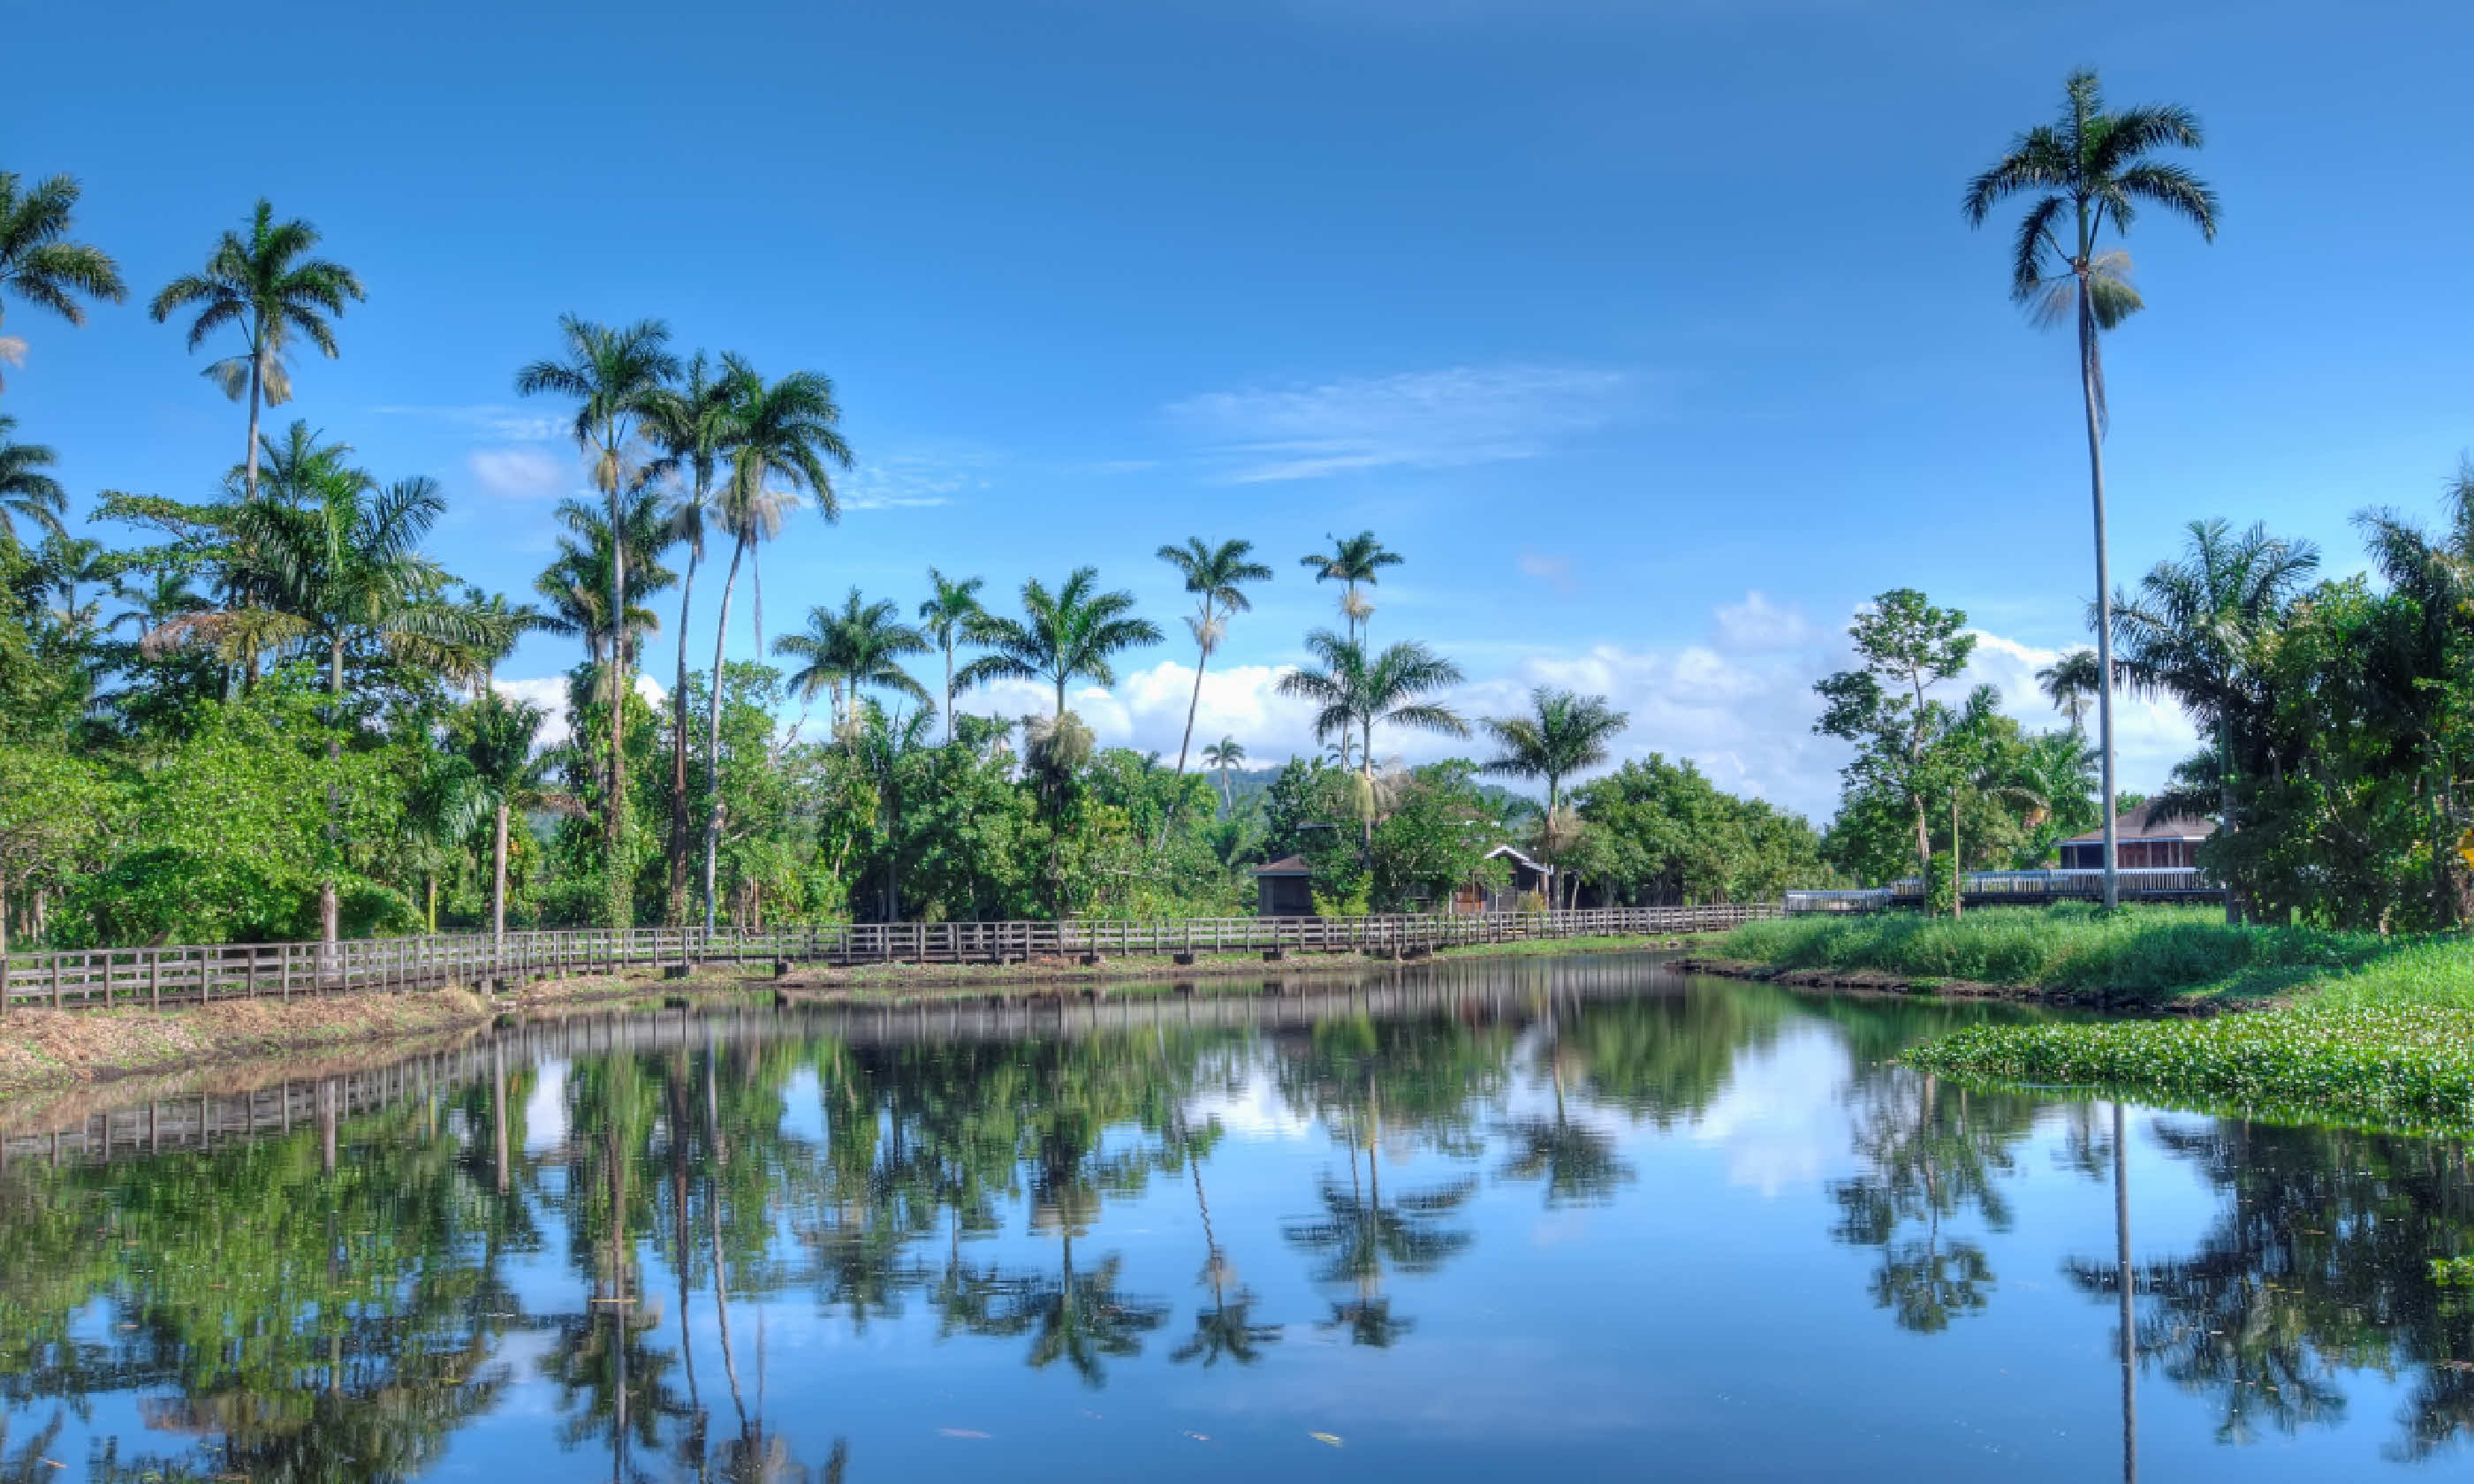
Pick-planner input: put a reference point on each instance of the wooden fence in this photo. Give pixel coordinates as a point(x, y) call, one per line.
point(84, 978)
point(2024, 888)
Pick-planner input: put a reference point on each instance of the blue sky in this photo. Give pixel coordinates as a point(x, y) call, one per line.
point(1650, 334)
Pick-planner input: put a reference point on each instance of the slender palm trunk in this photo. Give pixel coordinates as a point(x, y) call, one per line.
point(256, 395)
point(1958, 865)
point(498, 885)
point(713, 733)
point(676, 912)
point(1193, 702)
point(614, 828)
point(2234, 904)
point(2103, 594)
point(329, 906)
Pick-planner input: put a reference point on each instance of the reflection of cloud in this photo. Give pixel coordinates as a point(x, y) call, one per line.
point(549, 693)
point(1447, 419)
point(1776, 1106)
point(520, 473)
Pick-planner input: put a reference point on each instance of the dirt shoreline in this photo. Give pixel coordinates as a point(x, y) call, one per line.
point(45, 1054)
point(1878, 981)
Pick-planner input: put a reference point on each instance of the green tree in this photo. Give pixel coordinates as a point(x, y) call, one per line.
point(266, 283)
point(1068, 634)
point(1354, 561)
point(860, 646)
point(617, 379)
point(1217, 577)
point(499, 740)
point(2071, 683)
point(39, 261)
point(1562, 735)
point(2197, 631)
point(693, 423)
point(2086, 169)
point(25, 491)
point(786, 440)
point(1353, 693)
point(1904, 640)
point(1221, 757)
point(950, 615)
point(54, 809)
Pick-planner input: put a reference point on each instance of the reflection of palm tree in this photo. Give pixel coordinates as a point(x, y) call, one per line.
point(1085, 1317)
point(1577, 1161)
point(1226, 1328)
point(1359, 1236)
point(1928, 1158)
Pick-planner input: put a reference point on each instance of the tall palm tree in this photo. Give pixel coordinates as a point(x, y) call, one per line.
point(2071, 683)
point(499, 743)
point(1222, 756)
point(2086, 168)
point(507, 624)
point(860, 646)
point(1357, 561)
point(1068, 634)
point(1217, 576)
point(40, 264)
point(1563, 734)
point(2195, 630)
point(616, 377)
point(785, 442)
point(693, 422)
point(25, 490)
point(1353, 693)
point(266, 283)
point(951, 616)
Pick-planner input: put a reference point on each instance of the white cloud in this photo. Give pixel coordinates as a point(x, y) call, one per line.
point(522, 474)
point(1447, 419)
point(549, 693)
point(910, 481)
point(1740, 705)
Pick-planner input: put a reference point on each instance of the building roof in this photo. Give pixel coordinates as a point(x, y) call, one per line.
point(2144, 824)
point(1518, 855)
point(1285, 866)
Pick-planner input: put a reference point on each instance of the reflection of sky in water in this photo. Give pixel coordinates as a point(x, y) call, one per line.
point(1698, 1308)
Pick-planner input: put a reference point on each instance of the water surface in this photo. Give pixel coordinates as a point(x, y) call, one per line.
point(1572, 1219)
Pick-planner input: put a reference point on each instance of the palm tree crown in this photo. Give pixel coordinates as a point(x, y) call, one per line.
point(1358, 560)
point(267, 284)
point(1217, 576)
point(858, 647)
point(25, 490)
point(38, 263)
point(1068, 634)
point(1562, 735)
point(1354, 693)
point(2070, 683)
point(950, 615)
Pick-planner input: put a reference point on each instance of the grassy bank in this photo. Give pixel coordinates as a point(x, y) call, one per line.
point(2347, 1026)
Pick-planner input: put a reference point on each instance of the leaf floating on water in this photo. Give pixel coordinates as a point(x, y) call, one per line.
point(961, 1432)
point(1324, 1437)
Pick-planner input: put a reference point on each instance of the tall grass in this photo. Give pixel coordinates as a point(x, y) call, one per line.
point(2155, 951)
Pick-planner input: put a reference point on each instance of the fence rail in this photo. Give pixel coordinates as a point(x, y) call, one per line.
point(93, 978)
point(2139, 883)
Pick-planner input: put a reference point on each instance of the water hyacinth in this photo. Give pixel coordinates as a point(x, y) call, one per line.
point(2406, 1066)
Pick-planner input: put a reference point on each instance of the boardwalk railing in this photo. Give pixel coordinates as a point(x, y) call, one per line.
point(2139, 883)
point(82, 978)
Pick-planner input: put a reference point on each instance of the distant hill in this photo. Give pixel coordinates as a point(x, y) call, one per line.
point(1249, 784)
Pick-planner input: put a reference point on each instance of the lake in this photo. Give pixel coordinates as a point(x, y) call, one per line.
point(1572, 1219)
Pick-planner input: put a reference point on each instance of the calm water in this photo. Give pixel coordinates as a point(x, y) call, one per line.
point(1576, 1220)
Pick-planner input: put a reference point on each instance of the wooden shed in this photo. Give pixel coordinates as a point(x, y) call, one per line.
point(1284, 887)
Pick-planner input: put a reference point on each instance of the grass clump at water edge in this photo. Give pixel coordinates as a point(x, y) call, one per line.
point(2156, 952)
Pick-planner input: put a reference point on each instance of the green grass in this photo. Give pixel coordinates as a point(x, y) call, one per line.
point(2152, 952)
point(2343, 1027)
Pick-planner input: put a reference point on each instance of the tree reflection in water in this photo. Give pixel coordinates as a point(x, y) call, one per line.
point(271, 1313)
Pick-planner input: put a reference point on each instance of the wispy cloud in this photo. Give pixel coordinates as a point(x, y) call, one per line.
point(1447, 419)
point(910, 481)
point(499, 421)
point(522, 474)
point(1555, 572)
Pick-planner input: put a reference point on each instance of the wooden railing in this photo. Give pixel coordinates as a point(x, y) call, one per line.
point(2138, 883)
point(83, 978)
